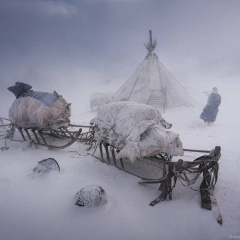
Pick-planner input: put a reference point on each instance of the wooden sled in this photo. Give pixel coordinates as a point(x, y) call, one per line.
point(168, 171)
point(41, 136)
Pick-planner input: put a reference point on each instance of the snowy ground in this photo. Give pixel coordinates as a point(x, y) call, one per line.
point(42, 207)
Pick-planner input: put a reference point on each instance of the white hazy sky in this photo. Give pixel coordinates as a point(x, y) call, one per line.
point(103, 39)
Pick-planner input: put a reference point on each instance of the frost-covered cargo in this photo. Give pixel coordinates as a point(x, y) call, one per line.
point(33, 109)
point(137, 130)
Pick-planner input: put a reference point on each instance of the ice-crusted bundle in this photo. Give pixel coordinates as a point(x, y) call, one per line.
point(33, 109)
point(137, 130)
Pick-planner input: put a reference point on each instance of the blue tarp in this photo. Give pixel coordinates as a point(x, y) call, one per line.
point(23, 90)
point(19, 89)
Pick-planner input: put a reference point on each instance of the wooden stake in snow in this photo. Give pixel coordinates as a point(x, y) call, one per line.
point(215, 209)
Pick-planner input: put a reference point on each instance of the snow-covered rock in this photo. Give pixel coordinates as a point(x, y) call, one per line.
point(91, 196)
point(47, 165)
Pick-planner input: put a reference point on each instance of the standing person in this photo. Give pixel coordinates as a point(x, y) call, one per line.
point(210, 111)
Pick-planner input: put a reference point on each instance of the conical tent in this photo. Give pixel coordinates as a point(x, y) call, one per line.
point(153, 84)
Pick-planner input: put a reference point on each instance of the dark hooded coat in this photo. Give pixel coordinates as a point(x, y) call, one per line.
point(210, 111)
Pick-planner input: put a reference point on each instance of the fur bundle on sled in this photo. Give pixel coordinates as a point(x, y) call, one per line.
point(38, 110)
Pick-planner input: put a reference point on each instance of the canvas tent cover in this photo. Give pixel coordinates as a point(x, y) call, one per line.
point(137, 130)
point(152, 81)
point(33, 109)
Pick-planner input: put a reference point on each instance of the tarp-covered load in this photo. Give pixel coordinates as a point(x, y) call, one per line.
point(137, 130)
point(33, 109)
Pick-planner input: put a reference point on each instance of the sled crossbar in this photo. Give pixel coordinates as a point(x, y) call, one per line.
point(81, 126)
point(194, 150)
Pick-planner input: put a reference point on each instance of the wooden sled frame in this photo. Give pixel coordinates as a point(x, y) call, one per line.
point(61, 133)
point(39, 136)
point(207, 165)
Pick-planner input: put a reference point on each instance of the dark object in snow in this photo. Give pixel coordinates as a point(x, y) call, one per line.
point(47, 165)
point(205, 195)
point(210, 175)
point(91, 196)
point(206, 164)
point(210, 111)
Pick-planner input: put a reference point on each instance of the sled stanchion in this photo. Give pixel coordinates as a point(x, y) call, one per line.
point(164, 175)
point(69, 143)
point(165, 186)
point(35, 136)
point(122, 165)
point(171, 173)
point(69, 133)
point(63, 133)
point(20, 130)
point(41, 135)
point(28, 134)
point(113, 156)
point(101, 152)
point(107, 153)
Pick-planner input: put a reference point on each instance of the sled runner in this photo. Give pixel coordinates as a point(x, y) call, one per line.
point(47, 136)
point(166, 171)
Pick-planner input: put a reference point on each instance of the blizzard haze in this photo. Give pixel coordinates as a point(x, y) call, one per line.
point(80, 47)
point(69, 46)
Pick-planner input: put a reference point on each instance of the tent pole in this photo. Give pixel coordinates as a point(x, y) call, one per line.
point(133, 88)
point(150, 35)
point(151, 78)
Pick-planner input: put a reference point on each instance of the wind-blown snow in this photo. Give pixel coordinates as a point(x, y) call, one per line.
point(34, 207)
